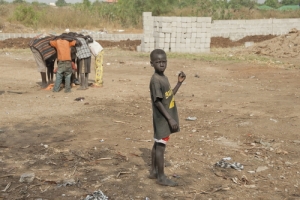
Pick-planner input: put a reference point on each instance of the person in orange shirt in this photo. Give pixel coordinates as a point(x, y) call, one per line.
point(64, 63)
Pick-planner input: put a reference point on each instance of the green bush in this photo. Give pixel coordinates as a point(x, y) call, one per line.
point(27, 15)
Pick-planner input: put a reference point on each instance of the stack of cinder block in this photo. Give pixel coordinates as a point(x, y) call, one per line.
point(147, 42)
point(176, 34)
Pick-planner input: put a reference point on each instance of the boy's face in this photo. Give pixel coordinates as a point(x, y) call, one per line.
point(159, 62)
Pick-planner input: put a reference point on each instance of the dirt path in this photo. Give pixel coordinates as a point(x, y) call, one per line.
point(246, 111)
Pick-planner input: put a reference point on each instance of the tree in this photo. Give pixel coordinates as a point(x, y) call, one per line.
point(18, 1)
point(237, 4)
point(271, 3)
point(86, 3)
point(290, 2)
point(3, 2)
point(61, 3)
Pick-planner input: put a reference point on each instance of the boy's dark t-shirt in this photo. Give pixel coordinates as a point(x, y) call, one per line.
point(160, 88)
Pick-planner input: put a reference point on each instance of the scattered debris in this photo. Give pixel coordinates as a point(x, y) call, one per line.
point(249, 186)
point(27, 177)
point(120, 173)
point(97, 195)
point(104, 159)
point(274, 120)
point(68, 182)
point(120, 122)
point(79, 99)
point(221, 189)
point(7, 187)
point(191, 118)
point(222, 163)
point(261, 168)
point(8, 175)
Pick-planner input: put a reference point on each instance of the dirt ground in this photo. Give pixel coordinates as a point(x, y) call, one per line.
point(246, 109)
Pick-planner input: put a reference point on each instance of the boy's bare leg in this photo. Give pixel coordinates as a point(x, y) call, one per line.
point(160, 162)
point(153, 170)
point(44, 80)
point(50, 74)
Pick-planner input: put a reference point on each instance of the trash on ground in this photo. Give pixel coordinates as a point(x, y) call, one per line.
point(191, 118)
point(176, 176)
point(68, 182)
point(79, 99)
point(7, 187)
point(122, 173)
point(97, 195)
point(235, 165)
point(249, 186)
point(261, 168)
point(27, 177)
point(274, 120)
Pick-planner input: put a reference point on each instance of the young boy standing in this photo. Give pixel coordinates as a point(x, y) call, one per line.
point(165, 116)
point(64, 63)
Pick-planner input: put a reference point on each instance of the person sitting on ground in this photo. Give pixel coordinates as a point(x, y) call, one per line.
point(165, 116)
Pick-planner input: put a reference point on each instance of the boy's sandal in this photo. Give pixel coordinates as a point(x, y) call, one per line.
point(49, 87)
point(96, 86)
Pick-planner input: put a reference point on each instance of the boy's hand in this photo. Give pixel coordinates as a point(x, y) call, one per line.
point(181, 77)
point(55, 70)
point(173, 124)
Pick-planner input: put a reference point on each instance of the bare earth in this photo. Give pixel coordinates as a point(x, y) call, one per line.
point(248, 110)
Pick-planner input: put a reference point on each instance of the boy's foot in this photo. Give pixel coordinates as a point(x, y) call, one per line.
point(44, 85)
point(67, 91)
point(152, 176)
point(50, 87)
point(166, 182)
point(96, 86)
point(76, 82)
point(81, 88)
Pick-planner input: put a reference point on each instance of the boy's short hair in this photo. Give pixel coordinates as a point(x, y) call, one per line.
point(155, 52)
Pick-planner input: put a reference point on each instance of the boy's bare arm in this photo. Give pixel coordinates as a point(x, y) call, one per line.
point(181, 78)
point(173, 124)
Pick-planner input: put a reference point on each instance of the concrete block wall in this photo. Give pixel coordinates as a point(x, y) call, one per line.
point(237, 29)
point(176, 34)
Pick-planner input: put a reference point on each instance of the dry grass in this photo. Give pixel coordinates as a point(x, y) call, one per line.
point(74, 18)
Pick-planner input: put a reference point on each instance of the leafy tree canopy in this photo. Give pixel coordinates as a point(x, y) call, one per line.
point(271, 3)
point(19, 1)
point(61, 3)
point(290, 2)
point(3, 2)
